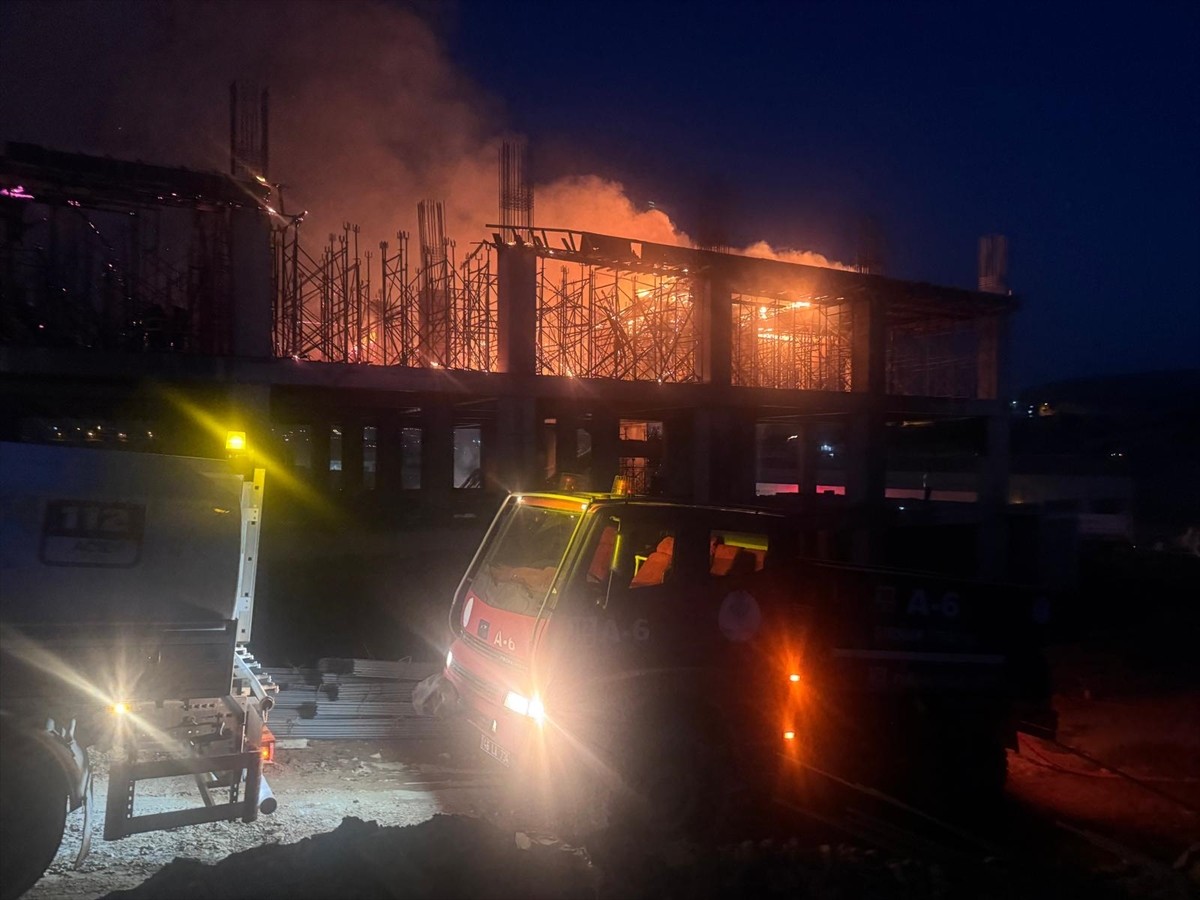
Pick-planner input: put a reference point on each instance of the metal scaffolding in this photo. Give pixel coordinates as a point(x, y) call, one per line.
point(596, 321)
point(109, 255)
point(795, 344)
point(934, 357)
point(440, 315)
point(322, 302)
point(106, 255)
point(603, 311)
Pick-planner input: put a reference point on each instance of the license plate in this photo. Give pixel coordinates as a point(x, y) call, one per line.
point(494, 750)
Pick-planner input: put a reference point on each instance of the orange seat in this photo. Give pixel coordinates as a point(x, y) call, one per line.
point(656, 566)
point(722, 560)
point(598, 570)
point(730, 560)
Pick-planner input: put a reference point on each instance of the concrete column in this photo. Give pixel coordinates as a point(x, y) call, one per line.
point(724, 447)
point(566, 444)
point(806, 464)
point(352, 455)
point(992, 358)
point(866, 468)
point(866, 483)
point(319, 452)
point(992, 549)
point(716, 332)
point(741, 457)
point(516, 309)
point(604, 429)
point(513, 454)
point(868, 347)
point(678, 447)
point(703, 463)
point(389, 459)
point(250, 283)
point(437, 449)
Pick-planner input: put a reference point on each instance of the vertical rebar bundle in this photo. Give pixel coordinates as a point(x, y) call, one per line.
point(435, 297)
point(993, 264)
point(248, 131)
point(516, 192)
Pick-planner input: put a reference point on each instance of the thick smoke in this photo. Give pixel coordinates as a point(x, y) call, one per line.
point(368, 115)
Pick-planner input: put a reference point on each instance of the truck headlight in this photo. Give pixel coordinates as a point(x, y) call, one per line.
point(526, 706)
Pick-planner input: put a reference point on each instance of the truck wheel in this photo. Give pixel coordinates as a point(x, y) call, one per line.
point(675, 785)
point(33, 815)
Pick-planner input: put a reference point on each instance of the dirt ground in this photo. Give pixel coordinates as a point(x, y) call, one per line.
point(453, 799)
point(390, 783)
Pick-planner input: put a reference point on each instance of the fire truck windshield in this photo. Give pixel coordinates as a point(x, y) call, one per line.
point(518, 568)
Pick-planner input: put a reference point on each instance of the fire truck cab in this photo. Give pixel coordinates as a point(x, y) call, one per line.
point(665, 648)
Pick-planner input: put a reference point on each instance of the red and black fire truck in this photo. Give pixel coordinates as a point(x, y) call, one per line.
point(666, 650)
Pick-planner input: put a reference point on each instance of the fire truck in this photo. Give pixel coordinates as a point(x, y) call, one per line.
point(125, 612)
point(669, 651)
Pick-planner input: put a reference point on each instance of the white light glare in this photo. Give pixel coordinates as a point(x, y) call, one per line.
point(523, 706)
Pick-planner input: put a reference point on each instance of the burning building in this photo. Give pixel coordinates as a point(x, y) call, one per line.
point(422, 370)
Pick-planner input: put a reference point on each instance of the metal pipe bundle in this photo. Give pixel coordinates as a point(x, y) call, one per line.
point(352, 699)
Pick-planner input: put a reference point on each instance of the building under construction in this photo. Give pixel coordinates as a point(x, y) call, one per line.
point(138, 302)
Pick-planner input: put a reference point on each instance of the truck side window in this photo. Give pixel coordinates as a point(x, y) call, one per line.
point(736, 553)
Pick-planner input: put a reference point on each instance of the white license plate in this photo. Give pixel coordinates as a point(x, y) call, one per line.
point(494, 750)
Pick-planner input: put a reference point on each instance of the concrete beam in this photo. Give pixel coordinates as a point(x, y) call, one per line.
point(631, 396)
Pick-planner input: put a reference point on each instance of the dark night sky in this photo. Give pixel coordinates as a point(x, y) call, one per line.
point(1075, 134)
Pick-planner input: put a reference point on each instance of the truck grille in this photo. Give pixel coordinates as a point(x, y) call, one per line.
point(480, 686)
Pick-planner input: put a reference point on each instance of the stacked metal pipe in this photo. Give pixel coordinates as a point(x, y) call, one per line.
point(351, 699)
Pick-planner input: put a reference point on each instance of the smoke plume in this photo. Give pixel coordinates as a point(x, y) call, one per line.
point(368, 114)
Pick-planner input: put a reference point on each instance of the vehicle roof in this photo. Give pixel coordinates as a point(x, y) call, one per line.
point(592, 497)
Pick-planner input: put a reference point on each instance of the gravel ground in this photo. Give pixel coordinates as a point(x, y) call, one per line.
point(442, 832)
point(393, 784)
point(431, 841)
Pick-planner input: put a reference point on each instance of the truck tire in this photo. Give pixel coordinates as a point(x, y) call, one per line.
point(673, 783)
point(33, 815)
